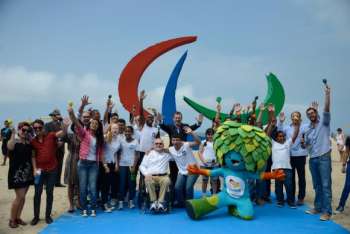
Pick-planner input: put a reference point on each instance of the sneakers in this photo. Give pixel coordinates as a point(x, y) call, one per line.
point(161, 207)
point(84, 213)
point(292, 205)
point(340, 209)
point(153, 206)
point(131, 204)
point(280, 204)
point(121, 205)
point(93, 213)
point(312, 211)
point(325, 217)
point(113, 203)
point(106, 208)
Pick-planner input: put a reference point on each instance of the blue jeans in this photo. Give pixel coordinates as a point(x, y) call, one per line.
point(321, 170)
point(184, 188)
point(346, 189)
point(88, 172)
point(288, 185)
point(126, 181)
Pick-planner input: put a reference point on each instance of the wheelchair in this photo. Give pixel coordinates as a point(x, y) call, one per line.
point(145, 202)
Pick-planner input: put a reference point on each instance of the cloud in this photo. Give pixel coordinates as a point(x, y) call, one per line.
point(22, 87)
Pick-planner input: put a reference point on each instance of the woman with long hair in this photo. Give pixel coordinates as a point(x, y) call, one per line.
point(90, 154)
point(20, 175)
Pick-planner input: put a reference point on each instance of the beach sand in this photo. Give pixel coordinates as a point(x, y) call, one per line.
point(60, 204)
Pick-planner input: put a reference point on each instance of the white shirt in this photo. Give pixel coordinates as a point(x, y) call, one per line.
point(280, 155)
point(92, 150)
point(208, 153)
point(111, 149)
point(147, 136)
point(127, 155)
point(155, 163)
point(183, 157)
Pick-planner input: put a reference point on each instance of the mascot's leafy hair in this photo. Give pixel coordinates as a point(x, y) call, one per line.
point(249, 141)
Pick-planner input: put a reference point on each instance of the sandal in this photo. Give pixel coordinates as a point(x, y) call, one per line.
point(21, 222)
point(13, 224)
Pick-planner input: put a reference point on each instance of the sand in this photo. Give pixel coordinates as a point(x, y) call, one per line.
point(60, 204)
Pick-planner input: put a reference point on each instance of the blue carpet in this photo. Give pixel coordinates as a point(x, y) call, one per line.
point(268, 219)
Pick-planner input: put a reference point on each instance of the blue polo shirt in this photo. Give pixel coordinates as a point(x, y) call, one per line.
point(296, 149)
point(317, 138)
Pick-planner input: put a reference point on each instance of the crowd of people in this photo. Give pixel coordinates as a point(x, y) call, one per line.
point(111, 163)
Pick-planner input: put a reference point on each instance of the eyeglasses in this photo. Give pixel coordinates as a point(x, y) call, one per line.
point(37, 128)
point(158, 143)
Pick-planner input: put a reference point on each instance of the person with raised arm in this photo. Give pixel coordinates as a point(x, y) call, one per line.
point(297, 153)
point(90, 154)
point(20, 175)
point(45, 166)
point(182, 153)
point(317, 140)
point(281, 160)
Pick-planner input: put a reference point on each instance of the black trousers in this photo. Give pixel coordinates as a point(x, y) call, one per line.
point(109, 184)
point(48, 179)
point(59, 156)
point(298, 165)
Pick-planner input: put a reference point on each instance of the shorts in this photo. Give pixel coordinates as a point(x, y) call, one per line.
point(212, 178)
point(4, 148)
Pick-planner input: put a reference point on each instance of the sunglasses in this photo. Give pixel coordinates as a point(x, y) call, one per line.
point(24, 130)
point(37, 128)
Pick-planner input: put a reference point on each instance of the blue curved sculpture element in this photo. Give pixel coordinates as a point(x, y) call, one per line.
point(169, 102)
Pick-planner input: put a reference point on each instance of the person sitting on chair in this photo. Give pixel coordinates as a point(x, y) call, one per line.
point(155, 167)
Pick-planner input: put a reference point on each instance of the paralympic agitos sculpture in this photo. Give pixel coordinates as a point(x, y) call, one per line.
point(131, 75)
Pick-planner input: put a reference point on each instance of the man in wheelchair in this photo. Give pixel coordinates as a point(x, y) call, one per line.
point(155, 167)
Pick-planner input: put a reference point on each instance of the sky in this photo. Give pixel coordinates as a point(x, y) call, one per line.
point(52, 52)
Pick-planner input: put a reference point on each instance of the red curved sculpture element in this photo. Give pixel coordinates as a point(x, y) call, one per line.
point(131, 75)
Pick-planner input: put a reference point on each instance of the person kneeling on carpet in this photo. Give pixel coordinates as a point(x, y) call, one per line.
point(155, 166)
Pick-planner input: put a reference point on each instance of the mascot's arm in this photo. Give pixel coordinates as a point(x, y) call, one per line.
point(276, 174)
point(193, 169)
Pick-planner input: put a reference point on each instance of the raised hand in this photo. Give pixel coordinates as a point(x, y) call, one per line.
point(282, 117)
point(271, 107)
point(237, 108)
point(218, 107)
point(200, 118)
point(262, 107)
point(85, 100)
point(314, 104)
point(159, 117)
point(142, 95)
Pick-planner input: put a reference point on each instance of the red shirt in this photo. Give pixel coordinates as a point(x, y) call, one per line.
point(45, 152)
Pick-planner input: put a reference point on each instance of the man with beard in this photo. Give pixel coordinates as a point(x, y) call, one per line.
point(317, 140)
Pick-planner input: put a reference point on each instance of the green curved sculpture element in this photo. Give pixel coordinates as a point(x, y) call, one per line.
point(275, 95)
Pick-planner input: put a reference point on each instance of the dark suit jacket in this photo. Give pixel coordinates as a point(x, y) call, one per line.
point(171, 130)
